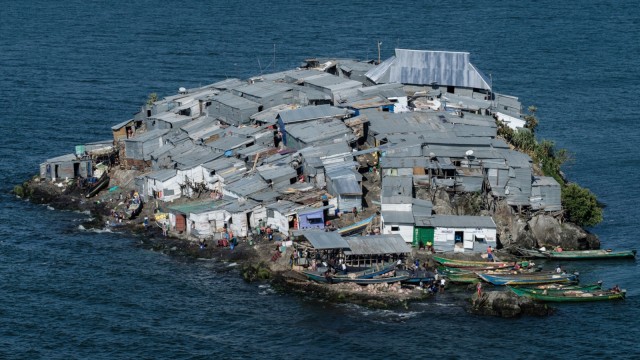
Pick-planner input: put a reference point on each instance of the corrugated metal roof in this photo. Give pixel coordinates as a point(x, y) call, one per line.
point(272, 172)
point(396, 190)
point(195, 158)
point(454, 101)
point(309, 113)
point(241, 206)
point(63, 158)
point(199, 207)
point(545, 181)
point(149, 135)
point(227, 84)
point(247, 186)
point(223, 163)
point(265, 196)
point(322, 240)
point(376, 245)
point(456, 221)
point(299, 76)
point(332, 82)
point(171, 117)
point(325, 150)
point(234, 101)
point(422, 207)
point(403, 162)
point(284, 206)
point(346, 186)
point(269, 115)
point(380, 73)
point(162, 175)
point(420, 67)
point(314, 131)
point(122, 124)
point(229, 143)
point(397, 217)
point(262, 89)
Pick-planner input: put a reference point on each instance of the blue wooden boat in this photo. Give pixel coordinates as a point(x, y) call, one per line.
point(325, 279)
point(416, 277)
point(375, 271)
point(357, 227)
point(336, 279)
point(378, 280)
point(370, 273)
point(527, 279)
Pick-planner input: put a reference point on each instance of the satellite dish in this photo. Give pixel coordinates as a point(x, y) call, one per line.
point(469, 152)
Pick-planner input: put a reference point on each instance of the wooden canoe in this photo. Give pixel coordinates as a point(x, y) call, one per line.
point(472, 264)
point(580, 254)
point(100, 184)
point(569, 295)
point(595, 286)
point(356, 228)
point(336, 279)
point(525, 279)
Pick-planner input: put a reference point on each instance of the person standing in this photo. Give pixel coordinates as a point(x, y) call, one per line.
point(165, 228)
point(490, 253)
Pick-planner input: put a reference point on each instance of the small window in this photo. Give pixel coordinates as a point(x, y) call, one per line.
point(395, 228)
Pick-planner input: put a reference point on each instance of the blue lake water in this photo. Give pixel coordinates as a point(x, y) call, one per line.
point(70, 70)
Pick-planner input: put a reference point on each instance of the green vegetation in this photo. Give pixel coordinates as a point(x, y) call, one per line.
point(580, 205)
point(153, 97)
point(18, 190)
point(255, 272)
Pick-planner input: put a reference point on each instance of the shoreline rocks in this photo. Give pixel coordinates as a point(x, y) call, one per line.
point(507, 305)
point(256, 260)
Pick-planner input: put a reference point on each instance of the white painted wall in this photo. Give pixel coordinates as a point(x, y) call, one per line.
point(155, 185)
point(406, 231)
point(396, 207)
point(447, 235)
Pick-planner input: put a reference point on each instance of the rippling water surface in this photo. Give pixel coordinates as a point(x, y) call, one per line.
point(70, 70)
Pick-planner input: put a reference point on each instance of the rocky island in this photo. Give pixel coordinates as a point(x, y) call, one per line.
point(347, 162)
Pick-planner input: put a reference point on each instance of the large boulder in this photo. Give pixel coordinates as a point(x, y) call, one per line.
point(549, 232)
point(442, 203)
point(506, 304)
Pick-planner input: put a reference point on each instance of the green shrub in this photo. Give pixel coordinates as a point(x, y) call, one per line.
point(580, 205)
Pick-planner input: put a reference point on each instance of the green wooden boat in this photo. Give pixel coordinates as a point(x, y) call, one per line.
point(478, 265)
point(596, 286)
point(463, 278)
point(580, 254)
point(569, 295)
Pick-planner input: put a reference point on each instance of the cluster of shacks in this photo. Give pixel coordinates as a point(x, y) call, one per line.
point(287, 149)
